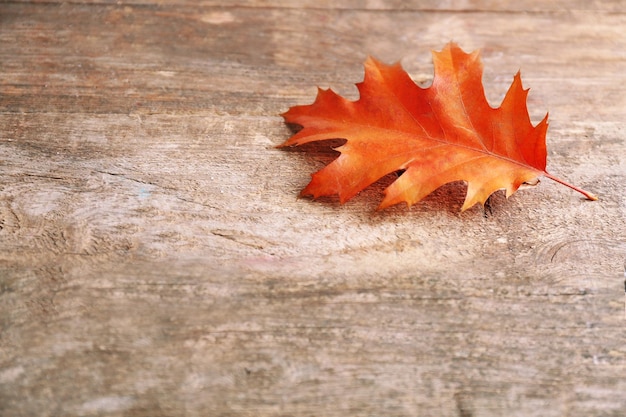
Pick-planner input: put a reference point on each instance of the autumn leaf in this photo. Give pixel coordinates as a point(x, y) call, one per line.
point(436, 135)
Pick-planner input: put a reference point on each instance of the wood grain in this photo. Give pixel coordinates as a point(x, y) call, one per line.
point(155, 261)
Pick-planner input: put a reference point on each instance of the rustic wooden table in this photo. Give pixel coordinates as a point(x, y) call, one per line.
point(155, 261)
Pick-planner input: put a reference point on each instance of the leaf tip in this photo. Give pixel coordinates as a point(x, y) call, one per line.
point(387, 203)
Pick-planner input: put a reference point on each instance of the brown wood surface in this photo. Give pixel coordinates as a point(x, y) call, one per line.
point(155, 261)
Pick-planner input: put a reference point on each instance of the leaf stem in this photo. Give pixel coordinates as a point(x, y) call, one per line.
point(587, 194)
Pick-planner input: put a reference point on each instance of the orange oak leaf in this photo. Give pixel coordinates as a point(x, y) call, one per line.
point(436, 135)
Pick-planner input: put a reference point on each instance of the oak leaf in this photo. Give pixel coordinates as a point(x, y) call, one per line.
point(436, 135)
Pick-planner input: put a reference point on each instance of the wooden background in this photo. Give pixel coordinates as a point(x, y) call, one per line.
point(155, 261)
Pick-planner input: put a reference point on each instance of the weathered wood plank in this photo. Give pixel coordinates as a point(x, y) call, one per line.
point(154, 258)
point(523, 6)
